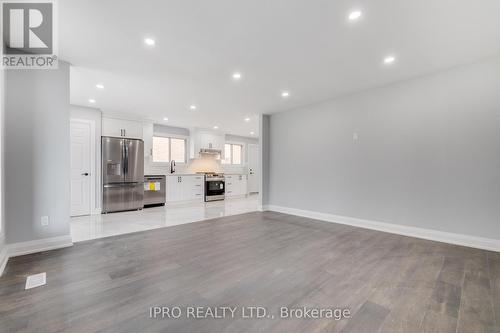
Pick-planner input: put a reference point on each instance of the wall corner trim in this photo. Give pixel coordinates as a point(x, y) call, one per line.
point(428, 234)
point(3, 258)
point(39, 245)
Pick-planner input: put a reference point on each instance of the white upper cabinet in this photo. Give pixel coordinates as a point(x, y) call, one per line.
point(121, 128)
point(147, 132)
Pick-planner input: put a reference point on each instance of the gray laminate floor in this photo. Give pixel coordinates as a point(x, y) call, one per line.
point(389, 283)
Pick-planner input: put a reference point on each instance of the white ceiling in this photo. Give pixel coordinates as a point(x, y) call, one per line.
point(304, 46)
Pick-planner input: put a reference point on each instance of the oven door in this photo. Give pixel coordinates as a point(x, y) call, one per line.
point(215, 187)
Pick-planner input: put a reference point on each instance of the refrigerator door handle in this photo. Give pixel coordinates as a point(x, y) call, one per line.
point(122, 185)
point(126, 158)
point(122, 147)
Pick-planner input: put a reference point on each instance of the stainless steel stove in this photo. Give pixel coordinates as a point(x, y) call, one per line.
point(215, 187)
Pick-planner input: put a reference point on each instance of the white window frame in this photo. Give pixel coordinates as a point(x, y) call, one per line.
point(170, 136)
point(232, 143)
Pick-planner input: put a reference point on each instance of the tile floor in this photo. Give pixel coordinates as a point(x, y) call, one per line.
point(105, 225)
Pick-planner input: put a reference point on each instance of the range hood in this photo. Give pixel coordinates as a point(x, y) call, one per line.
point(210, 151)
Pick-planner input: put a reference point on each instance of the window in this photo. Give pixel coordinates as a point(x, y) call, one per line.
point(178, 150)
point(227, 154)
point(232, 154)
point(161, 149)
point(167, 149)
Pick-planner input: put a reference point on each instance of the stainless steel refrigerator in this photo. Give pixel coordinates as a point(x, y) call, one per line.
point(123, 174)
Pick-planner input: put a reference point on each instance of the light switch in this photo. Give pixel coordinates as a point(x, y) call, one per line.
point(44, 221)
point(355, 136)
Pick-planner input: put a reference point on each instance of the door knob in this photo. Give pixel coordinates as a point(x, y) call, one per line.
point(85, 174)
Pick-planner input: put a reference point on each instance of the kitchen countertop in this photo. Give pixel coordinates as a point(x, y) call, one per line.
point(197, 174)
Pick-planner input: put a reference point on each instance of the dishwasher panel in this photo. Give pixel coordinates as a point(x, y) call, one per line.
point(154, 190)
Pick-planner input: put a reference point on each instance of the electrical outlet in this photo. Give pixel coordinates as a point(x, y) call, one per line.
point(44, 221)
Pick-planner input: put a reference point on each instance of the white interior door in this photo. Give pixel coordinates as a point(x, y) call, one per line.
point(80, 132)
point(253, 168)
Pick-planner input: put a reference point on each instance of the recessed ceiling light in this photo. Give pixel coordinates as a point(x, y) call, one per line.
point(237, 75)
point(192, 107)
point(165, 118)
point(252, 133)
point(285, 94)
point(91, 100)
point(247, 119)
point(149, 41)
point(389, 60)
point(216, 127)
point(355, 15)
point(99, 86)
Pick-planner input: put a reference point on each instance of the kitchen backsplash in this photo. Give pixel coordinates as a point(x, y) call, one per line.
point(150, 169)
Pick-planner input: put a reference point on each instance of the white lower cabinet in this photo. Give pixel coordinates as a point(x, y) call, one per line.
point(194, 189)
point(236, 185)
point(185, 188)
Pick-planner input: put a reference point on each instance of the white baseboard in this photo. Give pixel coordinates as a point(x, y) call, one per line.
point(18, 249)
point(429, 234)
point(39, 245)
point(96, 211)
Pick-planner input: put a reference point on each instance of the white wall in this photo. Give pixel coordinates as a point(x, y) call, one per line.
point(3, 248)
point(37, 153)
point(94, 115)
point(428, 153)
